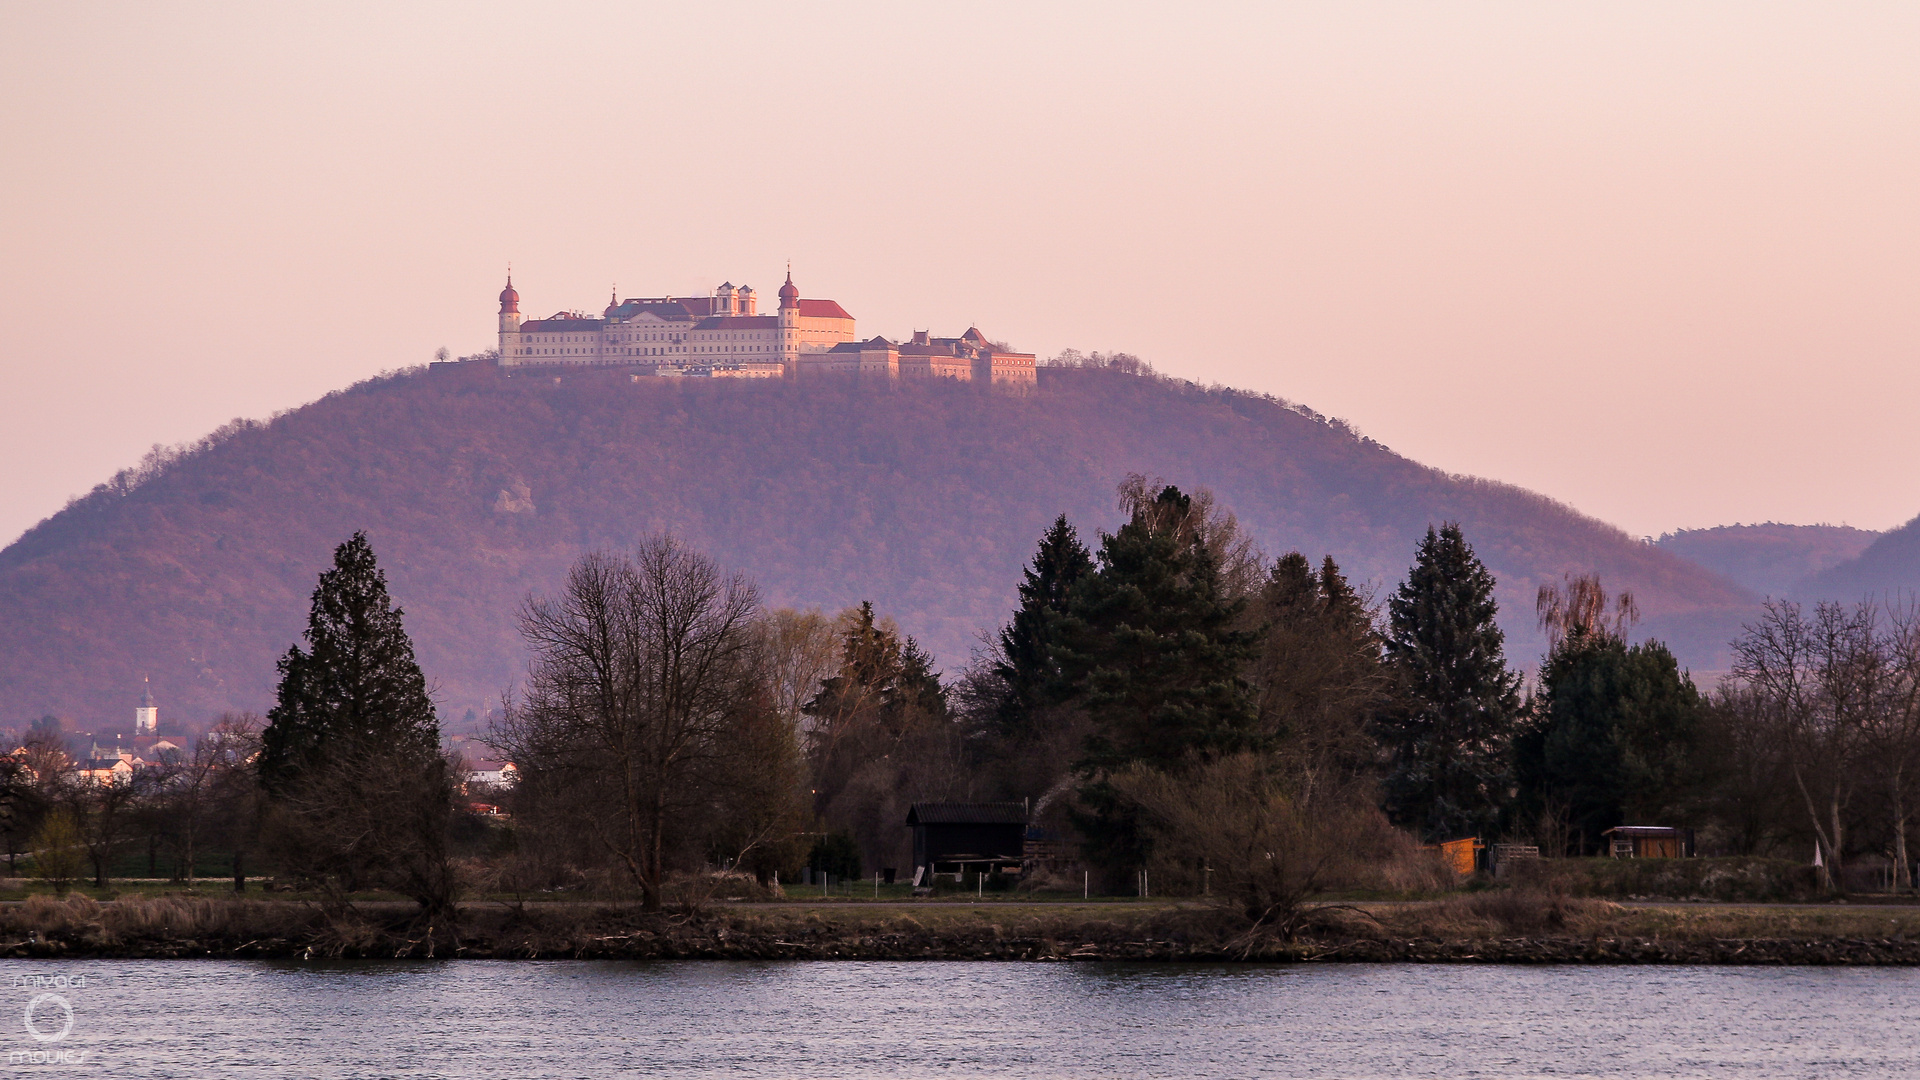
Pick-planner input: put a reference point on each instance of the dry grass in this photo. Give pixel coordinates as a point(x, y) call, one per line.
point(151, 918)
point(186, 925)
point(1506, 913)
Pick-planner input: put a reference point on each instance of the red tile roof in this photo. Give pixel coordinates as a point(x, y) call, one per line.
point(560, 323)
point(674, 312)
point(823, 309)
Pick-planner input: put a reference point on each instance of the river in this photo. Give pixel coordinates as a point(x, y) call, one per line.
point(804, 1019)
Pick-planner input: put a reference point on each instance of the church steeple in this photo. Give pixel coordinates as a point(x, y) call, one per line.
point(146, 718)
point(509, 320)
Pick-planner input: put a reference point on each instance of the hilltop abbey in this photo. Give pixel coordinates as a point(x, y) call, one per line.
point(722, 336)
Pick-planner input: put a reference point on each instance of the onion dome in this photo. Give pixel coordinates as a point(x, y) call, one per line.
point(789, 295)
point(509, 299)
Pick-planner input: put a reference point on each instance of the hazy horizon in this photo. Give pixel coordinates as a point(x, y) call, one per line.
point(1656, 262)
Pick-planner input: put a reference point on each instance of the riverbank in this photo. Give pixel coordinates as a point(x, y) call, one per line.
point(1493, 927)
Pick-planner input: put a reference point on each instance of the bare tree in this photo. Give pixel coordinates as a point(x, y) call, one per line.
point(1892, 728)
point(1262, 838)
point(192, 786)
point(1581, 611)
point(644, 673)
point(799, 650)
point(101, 810)
point(1817, 681)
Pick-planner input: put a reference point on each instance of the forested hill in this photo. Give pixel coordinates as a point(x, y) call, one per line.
point(924, 498)
point(1771, 559)
point(1888, 571)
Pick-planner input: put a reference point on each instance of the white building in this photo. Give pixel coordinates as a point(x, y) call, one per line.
point(146, 718)
point(722, 334)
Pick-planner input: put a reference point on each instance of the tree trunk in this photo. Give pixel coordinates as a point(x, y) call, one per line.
point(1902, 869)
point(657, 818)
point(1823, 846)
point(1833, 856)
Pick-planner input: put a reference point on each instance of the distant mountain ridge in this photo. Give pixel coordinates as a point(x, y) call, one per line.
point(925, 498)
point(1888, 570)
point(1770, 558)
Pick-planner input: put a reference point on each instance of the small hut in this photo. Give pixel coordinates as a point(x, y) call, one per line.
point(1650, 842)
point(954, 838)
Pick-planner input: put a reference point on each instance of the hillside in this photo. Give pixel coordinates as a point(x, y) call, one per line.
point(1770, 559)
point(923, 498)
point(1887, 570)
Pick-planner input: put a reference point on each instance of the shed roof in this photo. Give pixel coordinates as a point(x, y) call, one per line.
point(1643, 830)
point(967, 813)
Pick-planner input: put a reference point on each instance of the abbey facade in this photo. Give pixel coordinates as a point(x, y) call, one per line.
point(723, 336)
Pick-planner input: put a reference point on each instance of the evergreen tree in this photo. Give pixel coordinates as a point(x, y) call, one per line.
point(356, 687)
point(1319, 678)
point(1614, 737)
point(350, 758)
point(1450, 740)
point(1152, 651)
point(1026, 663)
point(883, 680)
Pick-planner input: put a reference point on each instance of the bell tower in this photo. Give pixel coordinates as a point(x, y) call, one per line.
point(789, 326)
point(146, 718)
point(509, 322)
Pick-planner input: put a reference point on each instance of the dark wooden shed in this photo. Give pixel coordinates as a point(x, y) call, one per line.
point(954, 838)
point(1650, 842)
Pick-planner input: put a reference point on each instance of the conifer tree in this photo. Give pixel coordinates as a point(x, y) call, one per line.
point(356, 687)
point(1450, 740)
point(1613, 742)
point(882, 678)
point(1319, 678)
point(1153, 652)
point(350, 759)
point(1027, 663)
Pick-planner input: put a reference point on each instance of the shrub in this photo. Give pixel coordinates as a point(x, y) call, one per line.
point(59, 857)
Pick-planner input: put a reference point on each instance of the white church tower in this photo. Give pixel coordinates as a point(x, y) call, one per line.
point(146, 718)
point(509, 323)
point(790, 326)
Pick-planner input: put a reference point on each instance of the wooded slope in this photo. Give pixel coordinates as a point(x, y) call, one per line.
point(924, 498)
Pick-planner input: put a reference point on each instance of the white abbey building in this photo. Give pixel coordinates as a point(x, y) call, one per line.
point(723, 336)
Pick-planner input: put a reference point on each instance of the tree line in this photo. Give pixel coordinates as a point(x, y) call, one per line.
point(1168, 699)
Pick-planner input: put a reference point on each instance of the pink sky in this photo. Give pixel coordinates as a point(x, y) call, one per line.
point(1661, 261)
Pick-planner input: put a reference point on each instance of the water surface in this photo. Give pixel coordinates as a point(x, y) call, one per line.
point(805, 1019)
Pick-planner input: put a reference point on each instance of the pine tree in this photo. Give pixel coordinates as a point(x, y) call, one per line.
point(1615, 735)
point(1450, 740)
point(356, 688)
point(1152, 650)
point(350, 759)
point(882, 680)
point(1319, 678)
point(1027, 664)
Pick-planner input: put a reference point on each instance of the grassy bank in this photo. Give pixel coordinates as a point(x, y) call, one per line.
point(1499, 926)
